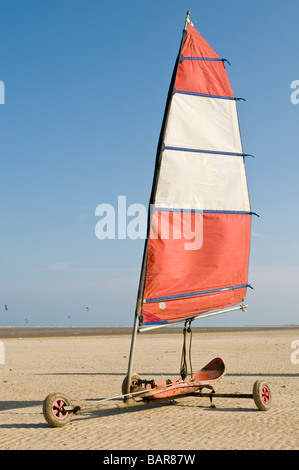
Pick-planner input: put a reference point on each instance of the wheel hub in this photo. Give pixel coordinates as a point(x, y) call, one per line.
point(265, 393)
point(58, 409)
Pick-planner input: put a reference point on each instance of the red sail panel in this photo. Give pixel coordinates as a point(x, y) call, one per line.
point(201, 76)
point(181, 282)
point(196, 46)
point(189, 307)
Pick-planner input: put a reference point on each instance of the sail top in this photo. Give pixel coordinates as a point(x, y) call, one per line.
point(196, 46)
point(201, 69)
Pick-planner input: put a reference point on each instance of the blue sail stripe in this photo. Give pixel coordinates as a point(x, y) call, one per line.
point(216, 152)
point(205, 95)
point(195, 294)
point(202, 211)
point(208, 59)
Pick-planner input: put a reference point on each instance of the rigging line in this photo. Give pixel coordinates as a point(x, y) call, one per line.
point(133, 394)
point(190, 344)
point(184, 367)
point(193, 17)
point(143, 392)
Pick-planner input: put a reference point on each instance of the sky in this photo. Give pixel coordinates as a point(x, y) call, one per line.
point(85, 86)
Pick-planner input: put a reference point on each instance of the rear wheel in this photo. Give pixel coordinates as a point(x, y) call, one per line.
point(262, 395)
point(133, 384)
point(54, 410)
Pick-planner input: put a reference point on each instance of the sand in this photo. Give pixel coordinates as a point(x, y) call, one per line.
point(89, 366)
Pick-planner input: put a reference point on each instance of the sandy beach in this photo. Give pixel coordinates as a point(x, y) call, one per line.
point(88, 366)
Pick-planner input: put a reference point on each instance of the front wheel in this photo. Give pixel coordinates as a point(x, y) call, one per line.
point(54, 410)
point(262, 395)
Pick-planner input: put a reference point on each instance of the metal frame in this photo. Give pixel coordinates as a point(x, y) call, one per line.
point(77, 410)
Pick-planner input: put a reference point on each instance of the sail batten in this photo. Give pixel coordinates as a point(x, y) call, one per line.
point(216, 59)
point(215, 152)
point(205, 95)
point(194, 294)
point(197, 262)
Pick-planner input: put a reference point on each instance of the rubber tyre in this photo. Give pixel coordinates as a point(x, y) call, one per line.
point(262, 395)
point(52, 411)
point(133, 386)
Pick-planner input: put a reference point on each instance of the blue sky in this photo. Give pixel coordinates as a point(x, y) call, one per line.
point(85, 90)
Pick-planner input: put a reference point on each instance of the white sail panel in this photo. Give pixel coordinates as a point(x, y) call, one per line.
point(199, 180)
point(199, 122)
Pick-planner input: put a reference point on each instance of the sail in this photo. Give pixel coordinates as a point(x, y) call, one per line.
point(197, 250)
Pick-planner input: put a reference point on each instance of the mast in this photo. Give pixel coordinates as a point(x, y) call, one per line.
point(199, 170)
point(139, 301)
